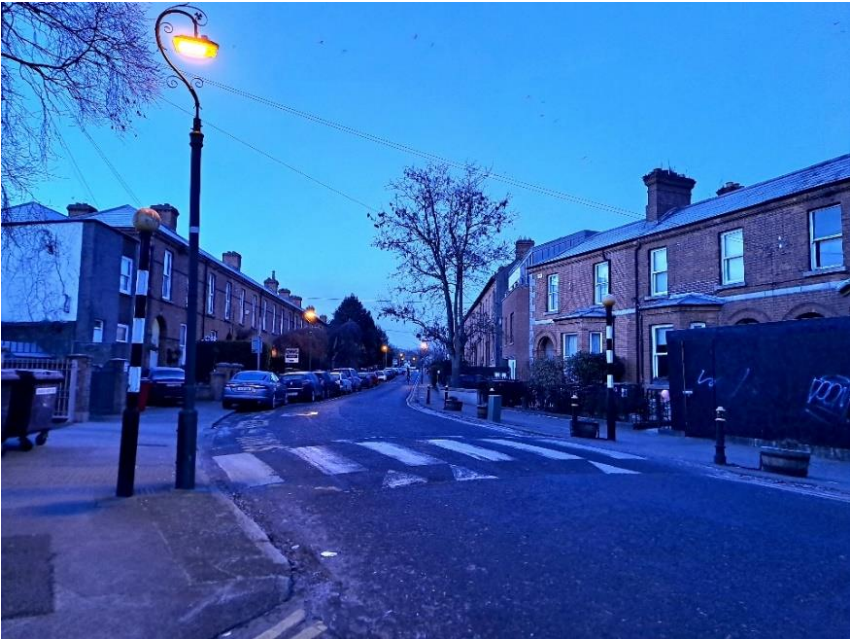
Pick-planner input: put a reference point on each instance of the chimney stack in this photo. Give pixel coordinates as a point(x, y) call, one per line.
point(271, 283)
point(666, 190)
point(167, 214)
point(728, 188)
point(284, 292)
point(232, 259)
point(523, 246)
point(296, 299)
point(324, 319)
point(80, 208)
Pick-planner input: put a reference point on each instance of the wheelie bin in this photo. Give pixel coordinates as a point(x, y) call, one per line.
point(31, 406)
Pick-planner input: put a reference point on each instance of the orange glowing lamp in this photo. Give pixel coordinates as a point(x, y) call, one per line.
point(195, 47)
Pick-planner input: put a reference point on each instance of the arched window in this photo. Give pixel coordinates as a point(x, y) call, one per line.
point(546, 349)
point(811, 315)
point(745, 321)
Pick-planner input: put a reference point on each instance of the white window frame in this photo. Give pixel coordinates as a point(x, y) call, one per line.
point(212, 336)
point(119, 329)
point(552, 290)
point(242, 307)
point(254, 300)
point(655, 354)
point(183, 333)
point(125, 277)
point(167, 265)
point(598, 294)
point(566, 338)
point(274, 319)
point(655, 273)
point(97, 331)
point(598, 335)
point(815, 242)
point(698, 325)
point(726, 259)
point(228, 302)
point(265, 312)
point(211, 294)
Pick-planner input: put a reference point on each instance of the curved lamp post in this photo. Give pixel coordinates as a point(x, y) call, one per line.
point(611, 404)
point(310, 316)
point(193, 46)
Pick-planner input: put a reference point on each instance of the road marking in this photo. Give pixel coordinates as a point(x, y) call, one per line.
point(476, 452)
point(537, 450)
point(613, 470)
point(395, 479)
point(614, 454)
point(465, 474)
point(402, 454)
point(258, 443)
point(277, 630)
point(245, 469)
point(313, 631)
point(326, 460)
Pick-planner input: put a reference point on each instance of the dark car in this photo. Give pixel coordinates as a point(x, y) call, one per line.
point(370, 380)
point(303, 386)
point(165, 385)
point(259, 388)
point(329, 386)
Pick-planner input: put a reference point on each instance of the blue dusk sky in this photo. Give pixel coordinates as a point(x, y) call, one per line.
point(582, 99)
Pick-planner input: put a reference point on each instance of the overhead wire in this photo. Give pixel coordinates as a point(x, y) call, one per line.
point(116, 174)
point(506, 179)
point(76, 167)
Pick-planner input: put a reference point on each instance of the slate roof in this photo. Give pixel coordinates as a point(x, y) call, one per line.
point(32, 212)
point(827, 172)
point(685, 299)
point(590, 311)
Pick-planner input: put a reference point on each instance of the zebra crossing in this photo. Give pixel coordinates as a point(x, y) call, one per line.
point(263, 460)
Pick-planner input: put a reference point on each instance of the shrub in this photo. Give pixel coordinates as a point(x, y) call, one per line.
point(586, 369)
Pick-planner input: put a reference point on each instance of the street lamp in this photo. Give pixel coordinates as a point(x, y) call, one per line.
point(385, 349)
point(193, 46)
point(146, 222)
point(310, 316)
point(611, 404)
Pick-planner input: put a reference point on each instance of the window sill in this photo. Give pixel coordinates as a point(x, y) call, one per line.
point(125, 292)
point(655, 298)
point(726, 287)
point(829, 270)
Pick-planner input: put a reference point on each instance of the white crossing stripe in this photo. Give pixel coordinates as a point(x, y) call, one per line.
point(278, 629)
point(402, 454)
point(476, 452)
point(313, 631)
point(247, 470)
point(395, 479)
point(614, 454)
point(327, 461)
point(614, 470)
point(537, 450)
point(465, 474)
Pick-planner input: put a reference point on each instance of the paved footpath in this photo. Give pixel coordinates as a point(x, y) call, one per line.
point(79, 562)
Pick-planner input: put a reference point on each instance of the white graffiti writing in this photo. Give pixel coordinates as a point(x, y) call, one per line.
point(703, 379)
point(829, 398)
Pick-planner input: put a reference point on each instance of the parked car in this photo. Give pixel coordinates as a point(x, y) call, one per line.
point(303, 386)
point(352, 376)
point(260, 388)
point(381, 375)
point(329, 387)
point(343, 383)
point(370, 380)
point(166, 385)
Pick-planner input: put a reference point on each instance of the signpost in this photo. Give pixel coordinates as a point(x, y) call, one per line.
point(290, 356)
point(257, 347)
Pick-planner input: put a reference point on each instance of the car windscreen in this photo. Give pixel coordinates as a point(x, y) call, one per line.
point(336, 375)
point(168, 373)
point(251, 376)
point(299, 377)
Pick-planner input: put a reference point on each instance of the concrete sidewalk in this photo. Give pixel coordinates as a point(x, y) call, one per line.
point(79, 562)
point(828, 476)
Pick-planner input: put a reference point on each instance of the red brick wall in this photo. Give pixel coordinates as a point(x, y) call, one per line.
point(516, 302)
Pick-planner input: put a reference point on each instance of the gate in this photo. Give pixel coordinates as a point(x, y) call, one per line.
point(653, 410)
point(65, 400)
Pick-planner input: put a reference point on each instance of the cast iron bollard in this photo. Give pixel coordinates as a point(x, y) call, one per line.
point(494, 408)
point(446, 398)
point(720, 444)
point(574, 414)
point(428, 395)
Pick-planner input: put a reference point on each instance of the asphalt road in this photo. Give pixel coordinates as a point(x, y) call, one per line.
point(437, 528)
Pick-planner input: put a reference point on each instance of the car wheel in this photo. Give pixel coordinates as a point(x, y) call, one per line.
point(273, 402)
point(312, 396)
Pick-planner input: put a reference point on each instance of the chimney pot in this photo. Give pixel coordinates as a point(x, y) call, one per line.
point(666, 190)
point(167, 214)
point(296, 299)
point(284, 292)
point(729, 187)
point(271, 283)
point(232, 259)
point(80, 208)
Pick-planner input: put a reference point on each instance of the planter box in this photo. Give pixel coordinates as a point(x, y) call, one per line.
point(482, 412)
point(454, 404)
point(586, 429)
point(785, 462)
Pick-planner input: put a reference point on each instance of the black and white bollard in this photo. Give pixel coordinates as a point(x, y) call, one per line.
point(720, 441)
point(146, 221)
point(573, 414)
point(611, 404)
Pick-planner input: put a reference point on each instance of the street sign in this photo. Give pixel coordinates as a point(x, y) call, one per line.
point(290, 356)
point(256, 345)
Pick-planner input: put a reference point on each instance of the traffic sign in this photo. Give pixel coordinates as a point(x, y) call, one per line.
point(290, 356)
point(256, 345)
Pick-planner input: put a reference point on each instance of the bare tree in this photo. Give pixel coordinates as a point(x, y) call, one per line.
point(87, 61)
point(445, 232)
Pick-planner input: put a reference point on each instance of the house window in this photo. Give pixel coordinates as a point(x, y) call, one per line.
point(274, 318)
point(126, 277)
point(183, 332)
point(732, 257)
point(167, 259)
point(600, 282)
point(265, 312)
point(254, 311)
point(697, 324)
point(228, 293)
point(122, 332)
point(211, 294)
point(596, 343)
point(291, 321)
point(212, 336)
point(242, 306)
point(552, 300)
point(511, 327)
point(97, 332)
point(569, 344)
point(659, 351)
point(825, 233)
point(658, 272)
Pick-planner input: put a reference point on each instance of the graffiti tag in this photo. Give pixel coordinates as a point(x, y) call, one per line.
point(829, 399)
point(703, 379)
